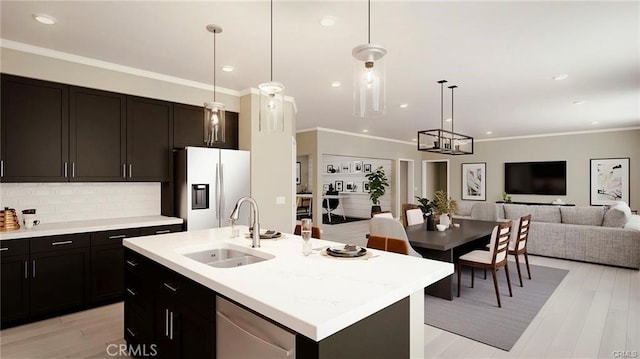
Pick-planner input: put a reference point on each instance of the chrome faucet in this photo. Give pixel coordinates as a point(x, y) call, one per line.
point(255, 242)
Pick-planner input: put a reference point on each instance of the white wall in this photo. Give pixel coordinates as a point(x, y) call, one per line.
point(66, 202)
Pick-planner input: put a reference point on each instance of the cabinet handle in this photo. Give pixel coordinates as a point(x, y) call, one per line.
point(73, 169)
point(33, 268)
point(166, 322)
point(118, 236)
point(65, 170)
point(173, 289)
point(26, 269)
point(124, 170)
point(61, 243)
point(163, 231)
point(171, 325)
point(131, 291)
point(1, 168)
point(132, 263)
point(130, 171)
point(131, 332)
point(4, 249)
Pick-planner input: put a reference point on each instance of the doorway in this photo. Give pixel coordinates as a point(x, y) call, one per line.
point(404, 185)
point(435, 177)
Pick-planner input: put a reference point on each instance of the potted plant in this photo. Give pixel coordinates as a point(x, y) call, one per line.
point(506, 198)
point(426, 207)
point(444, 206)
point(377, 183)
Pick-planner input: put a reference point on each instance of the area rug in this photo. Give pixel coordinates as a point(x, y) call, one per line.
point(475, 314)
point(337, 219)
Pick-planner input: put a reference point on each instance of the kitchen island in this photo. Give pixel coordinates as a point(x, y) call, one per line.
point(322, 300)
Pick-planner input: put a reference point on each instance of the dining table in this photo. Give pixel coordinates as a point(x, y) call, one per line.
point(461, 237)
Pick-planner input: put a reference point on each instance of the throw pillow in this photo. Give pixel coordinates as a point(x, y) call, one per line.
point(588, 216)
point(617, 215)
point(633, 222)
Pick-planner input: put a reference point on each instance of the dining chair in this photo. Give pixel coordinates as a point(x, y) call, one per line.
point(493, 259)
point(414, 216)
point(405, 207)
point(384, 214)
point(316, 232)
point(390, 227)
point(519, 245)
point(388, 244)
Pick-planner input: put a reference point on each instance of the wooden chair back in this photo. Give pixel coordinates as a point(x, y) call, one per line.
point(405, 208)
point(386, 214)
point(500, 243)
point(414, 216)
point(523, 233)
point(315, 231)
point(388, 244)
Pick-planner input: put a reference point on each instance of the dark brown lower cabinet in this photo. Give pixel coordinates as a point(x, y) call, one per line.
point(14, 294)
point(107, 272)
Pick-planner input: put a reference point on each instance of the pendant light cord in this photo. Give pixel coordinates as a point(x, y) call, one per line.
point(214, 67)
point(369, 22)
point(271, 40)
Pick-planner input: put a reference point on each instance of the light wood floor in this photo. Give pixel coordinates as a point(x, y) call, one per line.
point(592, 314)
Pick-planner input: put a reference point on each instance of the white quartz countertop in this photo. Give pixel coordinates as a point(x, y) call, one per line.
point(52, 229)
point(315, 295)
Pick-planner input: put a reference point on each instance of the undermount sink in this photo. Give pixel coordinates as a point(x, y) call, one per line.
point(226, 257)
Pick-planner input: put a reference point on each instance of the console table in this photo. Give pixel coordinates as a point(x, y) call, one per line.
point(539, 203)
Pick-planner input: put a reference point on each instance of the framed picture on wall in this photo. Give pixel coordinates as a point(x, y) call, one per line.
point(330, 169)
point(325, 187)
point(350, 186)
point(365, 187)
point(474, 181)
point(367, 168)
point(298, 170)
point(339, 185)
point(357, 167)
point(609, 180)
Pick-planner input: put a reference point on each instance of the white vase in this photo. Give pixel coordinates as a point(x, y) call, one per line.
point(444, 220)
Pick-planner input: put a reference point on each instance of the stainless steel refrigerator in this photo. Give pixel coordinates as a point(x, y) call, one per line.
point(208, 183)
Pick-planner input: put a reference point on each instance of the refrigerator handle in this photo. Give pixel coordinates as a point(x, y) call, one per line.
point(221, 204)
point(218, 194)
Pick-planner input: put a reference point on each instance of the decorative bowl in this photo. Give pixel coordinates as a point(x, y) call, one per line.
point(441, 227)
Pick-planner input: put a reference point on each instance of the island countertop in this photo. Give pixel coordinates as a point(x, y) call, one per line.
point(313, 295)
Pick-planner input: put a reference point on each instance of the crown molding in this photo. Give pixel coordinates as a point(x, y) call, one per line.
point(558, 134)
point(323, 129)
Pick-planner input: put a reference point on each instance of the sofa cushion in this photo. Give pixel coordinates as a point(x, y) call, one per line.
point(588, 216)
point(487, 211)
point(617, 215)
point(633, 222)
point(549, 214)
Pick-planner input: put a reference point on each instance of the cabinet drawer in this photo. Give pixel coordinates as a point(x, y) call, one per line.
point(136, 265)
point(14, 247)
point(112, 237)
point(57, 243)
point(148, 231)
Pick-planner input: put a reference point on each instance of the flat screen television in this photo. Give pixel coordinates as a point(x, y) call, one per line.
point(548, 178)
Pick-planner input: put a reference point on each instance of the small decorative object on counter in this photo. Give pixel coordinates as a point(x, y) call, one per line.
point(305, 231)
point(9, 220)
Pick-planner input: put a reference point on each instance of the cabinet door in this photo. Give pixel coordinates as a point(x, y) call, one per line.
point(14, 296)
point(35, 130)
point(107, 272)
point(189, 128)
point(149, 139)
point(59, 280)
point(231, 131)
point(97, 135)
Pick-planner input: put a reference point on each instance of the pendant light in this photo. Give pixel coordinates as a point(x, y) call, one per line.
point(271, 99)
point(444, 141)
point(214, 112)
point(369, 78)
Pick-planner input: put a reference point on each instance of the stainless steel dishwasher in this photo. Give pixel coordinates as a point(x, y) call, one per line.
point(242, 334)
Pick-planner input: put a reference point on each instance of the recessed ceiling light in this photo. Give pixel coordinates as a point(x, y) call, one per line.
point(560, 77)
point(404, 105)
point(594, 122)
point(44, 19)
point(328, 21)
point(227, 68)
point(448, 119)
point(336, 84)
point(365, 131)
point(578, 102)
point(488, 132)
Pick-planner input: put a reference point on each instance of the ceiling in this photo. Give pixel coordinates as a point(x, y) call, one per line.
point(502, 55)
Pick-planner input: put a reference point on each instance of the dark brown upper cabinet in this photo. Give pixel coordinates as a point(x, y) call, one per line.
point(188, 128)
point(35, 130)
point(97, 135)
point(149, 139)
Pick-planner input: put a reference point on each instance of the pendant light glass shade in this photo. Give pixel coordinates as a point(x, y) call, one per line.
point(271, 107)
point(369, 97)
point(214, 123)
point(369, 81)
point(271, 99)
point(214, 112)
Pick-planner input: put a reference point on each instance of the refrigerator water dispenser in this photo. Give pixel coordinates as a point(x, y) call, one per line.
point(200, 196)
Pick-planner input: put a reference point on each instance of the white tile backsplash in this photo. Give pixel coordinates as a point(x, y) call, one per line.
point(66, 202)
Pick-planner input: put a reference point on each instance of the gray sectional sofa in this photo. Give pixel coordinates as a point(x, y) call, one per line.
point(591, 234)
